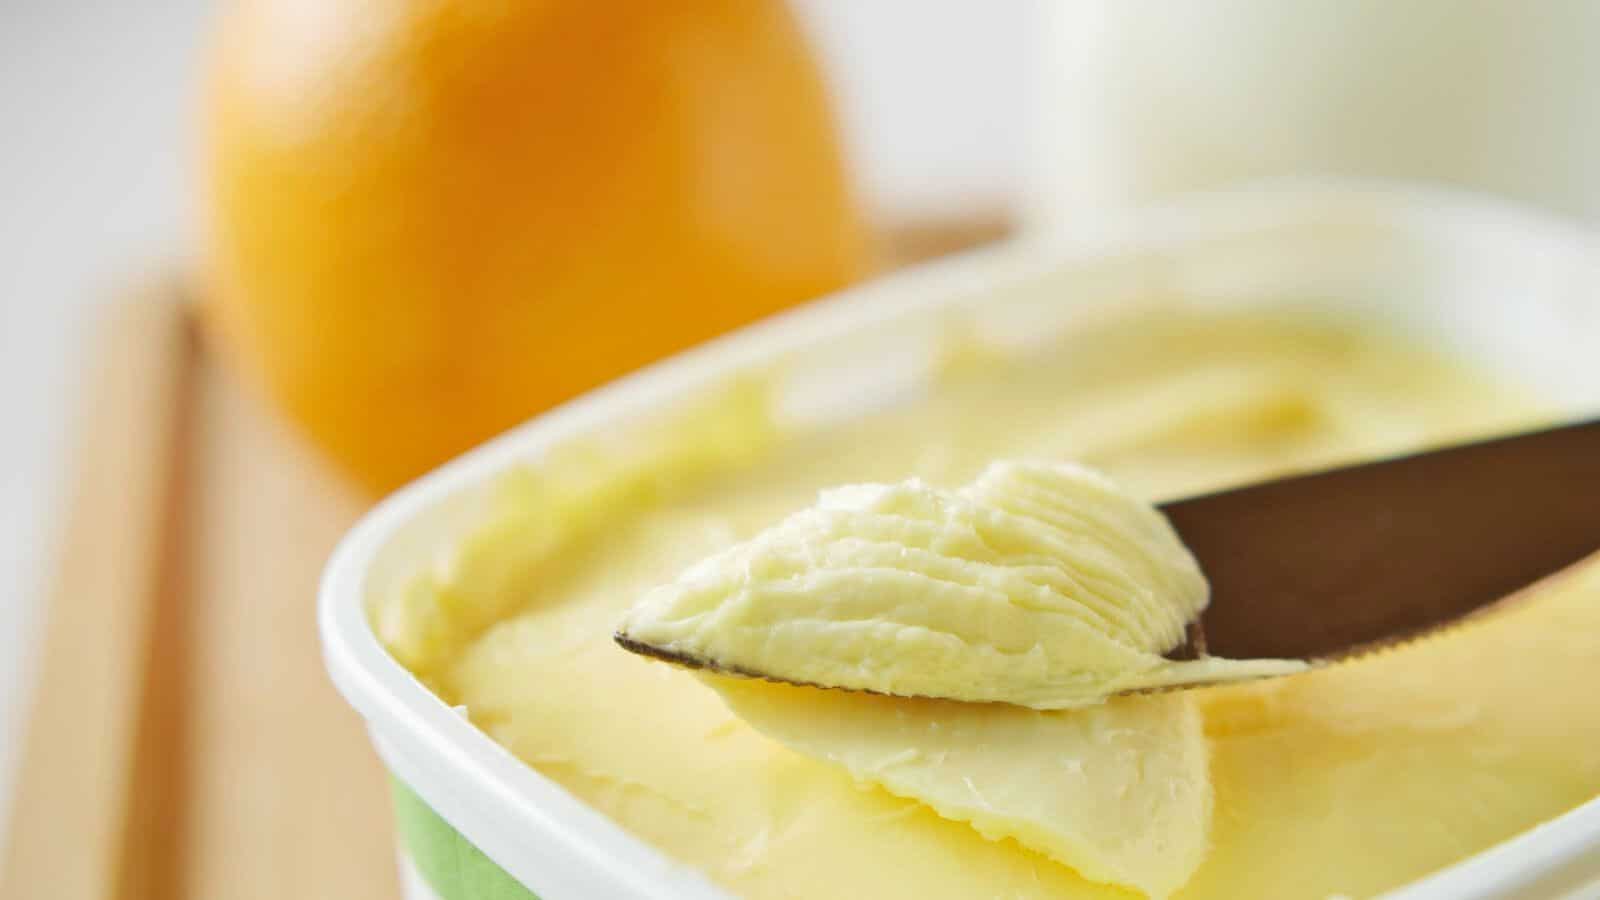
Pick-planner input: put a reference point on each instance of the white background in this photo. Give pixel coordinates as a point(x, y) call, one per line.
point(96, 131)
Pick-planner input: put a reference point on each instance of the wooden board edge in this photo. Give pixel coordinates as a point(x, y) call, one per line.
point(82, 810)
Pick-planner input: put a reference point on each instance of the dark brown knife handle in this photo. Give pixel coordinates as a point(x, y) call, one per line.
point(1317, 565)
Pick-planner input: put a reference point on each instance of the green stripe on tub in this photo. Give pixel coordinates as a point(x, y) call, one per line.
point(452, 866)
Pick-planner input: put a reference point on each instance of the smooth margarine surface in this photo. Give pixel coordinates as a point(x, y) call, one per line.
point(1351, 779)
point(1119, 791)
point(1041, 584)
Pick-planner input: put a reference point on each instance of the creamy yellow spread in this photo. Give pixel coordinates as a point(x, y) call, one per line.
point(1119, 791)
point(1041, 584)
point(1350, 780)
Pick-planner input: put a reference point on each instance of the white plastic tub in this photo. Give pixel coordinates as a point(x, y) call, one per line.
point(1514, 291)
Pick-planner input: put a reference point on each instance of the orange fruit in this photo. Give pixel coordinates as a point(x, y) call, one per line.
point(426, 221)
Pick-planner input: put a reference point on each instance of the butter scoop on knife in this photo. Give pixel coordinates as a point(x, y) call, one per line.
point(1047, 585)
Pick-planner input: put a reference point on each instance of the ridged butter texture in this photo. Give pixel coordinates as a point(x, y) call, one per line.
point(1041, 584)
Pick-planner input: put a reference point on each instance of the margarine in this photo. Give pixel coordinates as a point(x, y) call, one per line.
point(1352, 779)
point(1039, 584)
point(1119, 792)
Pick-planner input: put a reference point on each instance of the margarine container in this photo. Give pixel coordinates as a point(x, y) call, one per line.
point(1515, 292)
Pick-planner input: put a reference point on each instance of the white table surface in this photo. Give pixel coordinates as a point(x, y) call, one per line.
point(96, 103)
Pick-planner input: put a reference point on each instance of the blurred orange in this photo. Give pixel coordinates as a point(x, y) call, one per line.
point(429, 220)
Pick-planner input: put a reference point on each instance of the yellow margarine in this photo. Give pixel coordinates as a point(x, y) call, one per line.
point(1118, 791)
point(1352, 779)
point(1038, 584)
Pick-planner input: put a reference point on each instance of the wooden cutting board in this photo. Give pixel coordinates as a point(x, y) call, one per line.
point(185, 741)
